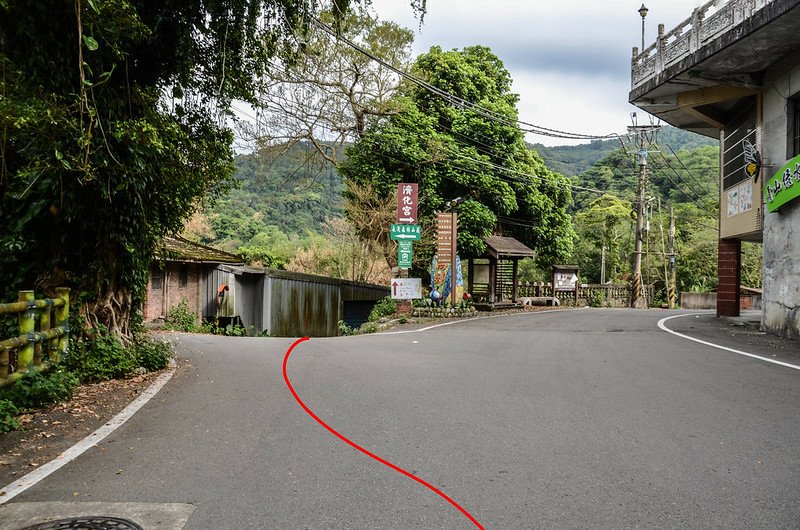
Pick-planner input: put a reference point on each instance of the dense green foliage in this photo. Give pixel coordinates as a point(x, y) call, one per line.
point(36, 390)
point(41, 388)
point(688, 180)
point(572, 160)
point(100, 357)
point(180, 318)
point(151, 355)
point(452, 152)
point(8, 413)
point(279, 201)
point(383, 308)
point(113, 130)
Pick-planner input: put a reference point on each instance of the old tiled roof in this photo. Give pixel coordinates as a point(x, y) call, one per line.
point(180, 249)
point(506, 247)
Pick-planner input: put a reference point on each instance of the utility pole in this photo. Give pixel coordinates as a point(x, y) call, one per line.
point(603, 264)
point(672, 289)
point(637, 300)
point(645, 135)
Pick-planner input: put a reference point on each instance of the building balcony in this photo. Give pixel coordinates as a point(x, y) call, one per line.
point(693, 75)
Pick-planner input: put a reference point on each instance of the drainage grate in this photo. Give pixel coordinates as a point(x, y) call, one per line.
point(87, 523)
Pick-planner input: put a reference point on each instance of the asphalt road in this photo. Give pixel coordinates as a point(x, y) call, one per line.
point(572, 419)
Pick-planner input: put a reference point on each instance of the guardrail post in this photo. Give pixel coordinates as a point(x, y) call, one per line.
point(44, 325)
point(4, 363)
point(62, 321)
point(27, 325)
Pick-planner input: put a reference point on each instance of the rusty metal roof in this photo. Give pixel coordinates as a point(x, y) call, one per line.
point(179, 249)
point(501, 247)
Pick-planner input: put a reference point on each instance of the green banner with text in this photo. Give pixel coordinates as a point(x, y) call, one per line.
point(783, 186)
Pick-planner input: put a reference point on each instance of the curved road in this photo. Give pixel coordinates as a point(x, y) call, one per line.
point(570, 419)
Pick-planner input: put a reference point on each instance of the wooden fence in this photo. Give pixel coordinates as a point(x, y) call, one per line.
point(35, 349)
point(602, 295)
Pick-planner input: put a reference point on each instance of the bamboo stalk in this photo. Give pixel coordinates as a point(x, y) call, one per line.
point(27, 326)
point(62, 321)
point(44, 326)
point(4, 360)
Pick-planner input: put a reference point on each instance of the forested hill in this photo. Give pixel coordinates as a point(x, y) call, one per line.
point(571, 160)
point(289, 191)
point(283, 198)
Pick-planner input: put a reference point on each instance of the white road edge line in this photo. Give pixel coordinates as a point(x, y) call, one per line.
point(472, 319)
point(40, 473)
point(767, 359)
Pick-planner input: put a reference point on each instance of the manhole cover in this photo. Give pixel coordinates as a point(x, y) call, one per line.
point(87, 523)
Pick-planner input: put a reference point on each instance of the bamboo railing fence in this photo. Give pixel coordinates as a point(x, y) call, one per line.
point(34, 349)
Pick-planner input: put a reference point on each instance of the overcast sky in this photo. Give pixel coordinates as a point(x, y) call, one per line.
point(570, 59)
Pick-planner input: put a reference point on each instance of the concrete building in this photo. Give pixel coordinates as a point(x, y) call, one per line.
point(731, 71)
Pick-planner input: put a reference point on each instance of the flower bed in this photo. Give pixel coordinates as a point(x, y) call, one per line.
point(445, 312)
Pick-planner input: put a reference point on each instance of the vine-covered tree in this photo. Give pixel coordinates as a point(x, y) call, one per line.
point(452, 152)
point(113, 130)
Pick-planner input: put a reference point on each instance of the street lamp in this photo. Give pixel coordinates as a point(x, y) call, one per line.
point(643, 12)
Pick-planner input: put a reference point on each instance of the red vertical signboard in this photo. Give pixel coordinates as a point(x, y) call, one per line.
point(407, 199)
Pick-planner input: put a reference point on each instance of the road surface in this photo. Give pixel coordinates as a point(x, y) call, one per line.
point(568, 419)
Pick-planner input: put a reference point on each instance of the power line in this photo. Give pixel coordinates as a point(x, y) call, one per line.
point(459, 102)
point(697, 181)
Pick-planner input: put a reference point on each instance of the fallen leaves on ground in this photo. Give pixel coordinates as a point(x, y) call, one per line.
point(49, 432)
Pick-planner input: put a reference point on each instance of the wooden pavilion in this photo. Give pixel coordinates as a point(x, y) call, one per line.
point(493, 277)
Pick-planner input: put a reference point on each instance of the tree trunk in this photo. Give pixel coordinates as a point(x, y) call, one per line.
point(112, 309)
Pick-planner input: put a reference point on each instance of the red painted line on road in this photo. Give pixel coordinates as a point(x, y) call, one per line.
point(361, 449)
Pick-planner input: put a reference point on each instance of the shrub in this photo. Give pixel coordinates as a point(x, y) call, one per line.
point(368, 327)
point(40, 389)
point(150, 354)
point(179, 318)
point(597, 298)
point(383, 308)
point(345, 329)
point(100, 357)
point(8, 413)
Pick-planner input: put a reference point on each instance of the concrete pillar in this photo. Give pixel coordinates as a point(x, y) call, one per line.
point(728, 271)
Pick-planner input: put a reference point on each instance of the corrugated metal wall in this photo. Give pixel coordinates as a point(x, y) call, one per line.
point(287, 304)
point(306, 305)
point(215, 278)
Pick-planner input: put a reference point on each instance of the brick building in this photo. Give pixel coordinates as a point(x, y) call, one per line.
point(180, 273)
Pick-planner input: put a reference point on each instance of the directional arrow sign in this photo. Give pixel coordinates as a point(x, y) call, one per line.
point(406, 288)
point(404, 254)
point(405, 232)
point(407, 199)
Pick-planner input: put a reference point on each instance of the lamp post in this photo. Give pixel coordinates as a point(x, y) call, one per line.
point(643, 12)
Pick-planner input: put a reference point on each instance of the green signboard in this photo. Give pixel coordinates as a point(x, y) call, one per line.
point(405, 232)
point(784, 185)
point(404, 254)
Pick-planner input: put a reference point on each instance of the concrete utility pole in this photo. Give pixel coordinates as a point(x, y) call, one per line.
point(603, 264)
point(637, 300)
point(645, 135)
point(672, 289)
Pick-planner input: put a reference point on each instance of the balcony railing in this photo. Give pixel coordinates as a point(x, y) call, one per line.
point(706, 23)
